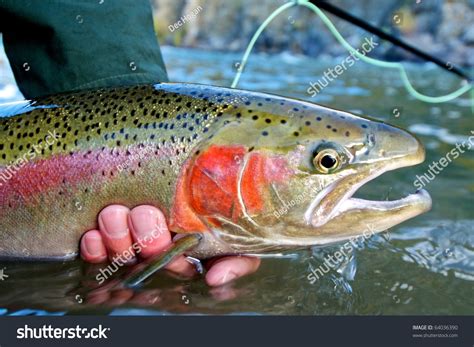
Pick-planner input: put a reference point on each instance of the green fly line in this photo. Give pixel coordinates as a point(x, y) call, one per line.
point(345, 44)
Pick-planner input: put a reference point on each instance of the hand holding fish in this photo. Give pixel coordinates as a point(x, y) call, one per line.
point(120, 228)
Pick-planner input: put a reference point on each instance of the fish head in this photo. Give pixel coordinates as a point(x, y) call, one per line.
point(331, 159)
point(275, 181)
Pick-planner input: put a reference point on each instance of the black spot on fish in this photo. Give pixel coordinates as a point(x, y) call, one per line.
point(265, 133)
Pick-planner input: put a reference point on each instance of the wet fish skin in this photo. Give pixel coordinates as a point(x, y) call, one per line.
point(217, 161)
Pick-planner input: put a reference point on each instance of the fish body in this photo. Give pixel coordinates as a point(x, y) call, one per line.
point(250, 172)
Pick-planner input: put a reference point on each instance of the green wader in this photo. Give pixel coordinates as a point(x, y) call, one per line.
point(56, 46)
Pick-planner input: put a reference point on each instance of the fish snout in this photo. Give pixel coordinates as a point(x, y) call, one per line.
point(398, 146)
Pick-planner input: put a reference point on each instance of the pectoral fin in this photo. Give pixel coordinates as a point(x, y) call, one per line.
point(147, 268)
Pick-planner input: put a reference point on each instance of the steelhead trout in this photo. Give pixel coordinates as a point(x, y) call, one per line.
point(248, 172)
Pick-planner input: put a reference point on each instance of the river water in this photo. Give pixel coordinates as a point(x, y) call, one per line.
point(423, 266)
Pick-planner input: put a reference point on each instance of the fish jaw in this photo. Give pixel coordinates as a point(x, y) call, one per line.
point(340, 215)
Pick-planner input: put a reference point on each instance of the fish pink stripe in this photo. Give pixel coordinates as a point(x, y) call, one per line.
point(25, 182)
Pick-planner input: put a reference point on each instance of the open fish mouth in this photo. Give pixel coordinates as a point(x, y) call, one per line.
point(337, 204)
point(420, 200)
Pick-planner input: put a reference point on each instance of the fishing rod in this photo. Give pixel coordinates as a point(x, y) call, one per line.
point(388, 37)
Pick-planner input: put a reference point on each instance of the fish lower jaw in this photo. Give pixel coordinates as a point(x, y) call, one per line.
point(411, 205)
point(420, 200)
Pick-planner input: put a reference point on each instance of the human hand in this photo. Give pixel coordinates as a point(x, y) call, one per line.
point(120, 228)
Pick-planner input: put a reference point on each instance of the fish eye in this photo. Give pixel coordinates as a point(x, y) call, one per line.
point(327, 160)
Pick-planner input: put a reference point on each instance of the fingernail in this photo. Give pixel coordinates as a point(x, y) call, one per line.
point(93, 245)
point(145, 222)
point(114, 222)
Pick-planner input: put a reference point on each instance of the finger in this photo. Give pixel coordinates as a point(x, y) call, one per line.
point(227, 269)
point(115, 233)
point(150, 233)
point(182, 267)
point(92, 247)
point(149, 230)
